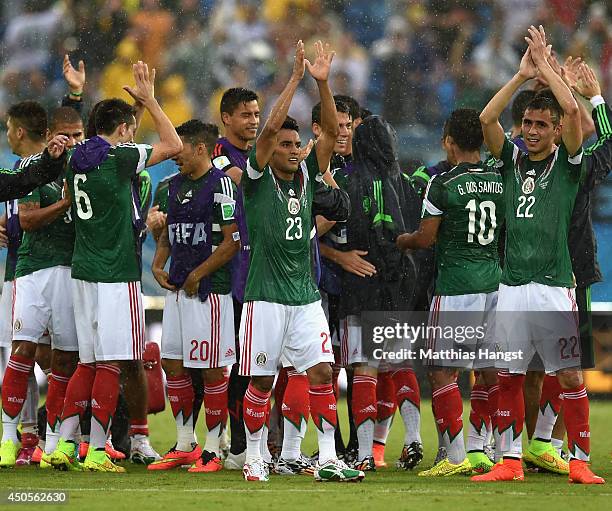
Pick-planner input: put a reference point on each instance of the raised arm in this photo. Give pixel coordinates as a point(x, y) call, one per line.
point(32, 217)
point(572, 130)
point(266, 141)
point(75, 78)
point(169, 144)
point(329, 120)
point(489, 118)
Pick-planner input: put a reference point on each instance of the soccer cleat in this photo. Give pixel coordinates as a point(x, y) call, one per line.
point(350, 455)
point(141, 452)
point(175, 458)
point(411, 456)
point(65, 457)
point(83, 448)
point(45, 461)
point(378, 451)
point(98, 460)
point(506, 470)
point(336, 470)
point(256, 470)
point(29, 442)
point(445, 468)
point(367, 464)
point(8, 454)
point(301, 466)
point(37, 456)
point(235, 461)
point(207, 462)
point(580, 473)
point(224, 443)
point(113, 453)
point(481, 464)
point(543, 455)
point(489, 450)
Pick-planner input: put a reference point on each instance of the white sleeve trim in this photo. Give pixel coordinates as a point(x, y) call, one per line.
point(142, 160)
point(576, 160)
point(431, 209)
point(597, 100)
point(251, 172)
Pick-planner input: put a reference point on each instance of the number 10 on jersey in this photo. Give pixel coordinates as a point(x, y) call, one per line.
point(486, 210)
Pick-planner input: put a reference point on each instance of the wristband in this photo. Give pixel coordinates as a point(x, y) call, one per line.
point(597, 100)
point(76, 94)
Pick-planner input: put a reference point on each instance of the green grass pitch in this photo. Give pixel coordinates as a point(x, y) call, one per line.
point(386, 489)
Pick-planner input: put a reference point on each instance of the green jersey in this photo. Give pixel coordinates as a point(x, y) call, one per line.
point(279, 220)
point(160, 197)
point(104, 209)
point(52, 244)
point(470, 200)
point(540, 197)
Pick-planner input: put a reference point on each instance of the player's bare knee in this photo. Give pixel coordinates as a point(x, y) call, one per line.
point(570, 378)
point(440, 377)
point(262, 383)
point(320, 374)
point(25, 349)
point(213, 375)
point(64, 362)
point(489, 377)
point(173, 368)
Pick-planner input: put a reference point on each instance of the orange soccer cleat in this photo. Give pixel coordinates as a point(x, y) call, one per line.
point(208, 462)
point(378, 450)
point(175, 458)
point(580, 473)
point(507, 470)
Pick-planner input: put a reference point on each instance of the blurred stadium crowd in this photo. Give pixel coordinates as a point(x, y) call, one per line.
point(412, 61)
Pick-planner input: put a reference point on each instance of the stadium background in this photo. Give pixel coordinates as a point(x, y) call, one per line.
point(411, 61)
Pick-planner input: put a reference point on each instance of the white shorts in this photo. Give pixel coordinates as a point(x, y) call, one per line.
point(109, 320)
point(270, 330)
point(448, 334)
point(352, 350)
point(6, 314)
point(535, 318)
point(43, 301)
point(201, 334)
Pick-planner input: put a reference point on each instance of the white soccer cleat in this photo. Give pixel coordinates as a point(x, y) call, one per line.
point(141, 451)
point(256, 470)
point(235, 461)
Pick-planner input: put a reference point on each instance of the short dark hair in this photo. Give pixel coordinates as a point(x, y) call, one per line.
point(543, 101)
point(340, 107)
point(290, 124)
point(352, 104)
point(465, 128)
point(64, 115)
point(519, 104)
point(110, 113)
point(365, 113)
point(32, 117)
point(197, 132)
point(233, 97)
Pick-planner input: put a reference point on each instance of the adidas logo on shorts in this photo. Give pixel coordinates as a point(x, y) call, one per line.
point(229, 353)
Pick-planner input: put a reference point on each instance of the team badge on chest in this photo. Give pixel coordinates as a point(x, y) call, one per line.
point(528, 186)
point(293, 205)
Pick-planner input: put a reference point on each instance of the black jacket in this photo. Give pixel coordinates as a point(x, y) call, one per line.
point(15, 184)
point(581, 241)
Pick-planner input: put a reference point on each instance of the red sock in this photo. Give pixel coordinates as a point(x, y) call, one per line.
point(56, 394)
point(492, 404)
point(281, 384)
point(139, 427)
point(323, 405)
point(255, 408)
point(479, 413)
point(215, 402)
point(552, 394)
point(448, 410)
point(296, 401)
point(576, 414)
point(364, 399)
point(180, 395)
point(406, 387)
point(104, 394)
point(385, 397)
point(510, 409)
point(15, 385)
point(78, 391)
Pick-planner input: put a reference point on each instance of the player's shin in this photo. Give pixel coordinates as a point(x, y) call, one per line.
point(576, 408)
point(479, 419)
point(255, 405)
point(295, 411)
point(180, 395)
point(550, 404)
point(104, 395)
point(511, 414)
point(56, 394)
point(408, 396)
point(78, 395)
point(448, 408)
point(215, 402)
point(323, 411)
point(14, 390)
point(364, 412)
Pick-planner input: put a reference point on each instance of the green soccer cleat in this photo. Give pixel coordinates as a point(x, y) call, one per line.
point(446, 468)
point(8, 454)
point(65, 457)
point(543, 455)
point(481, 464)
point(98, 460)
point(336, 470)
point(45, 461)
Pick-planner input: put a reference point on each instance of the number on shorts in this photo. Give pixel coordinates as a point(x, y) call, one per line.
point(487, 211)
point(83, 204)
point(573, 343)
point(297, 222)
point(324, 347)
point(199, 349)
point(529, 201)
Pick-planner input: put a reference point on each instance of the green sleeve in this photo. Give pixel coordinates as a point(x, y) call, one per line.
point(312, 164)
point(132, 158)
point(435, 201)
